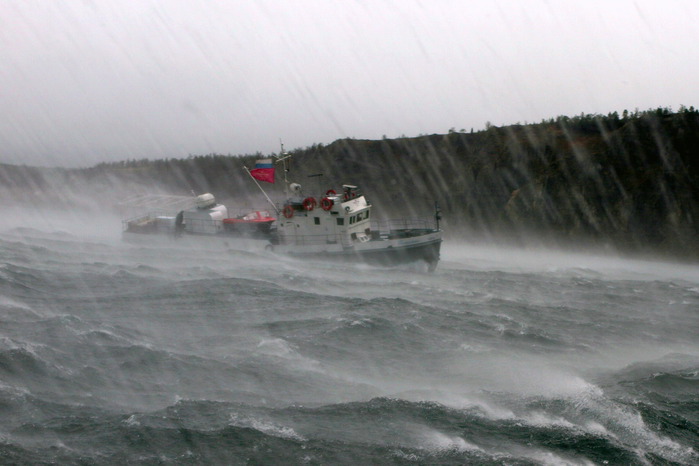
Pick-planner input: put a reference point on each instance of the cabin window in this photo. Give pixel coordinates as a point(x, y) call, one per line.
point(366, 214)
point(359, 216)
point(316, 220)
point(341, 221)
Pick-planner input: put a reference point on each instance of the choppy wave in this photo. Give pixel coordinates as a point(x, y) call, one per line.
point(122, 353)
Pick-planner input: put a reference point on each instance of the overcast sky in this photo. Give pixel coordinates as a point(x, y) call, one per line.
point(88, 81)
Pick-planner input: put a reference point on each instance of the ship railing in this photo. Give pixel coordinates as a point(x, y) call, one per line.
point(402, 224)
point(145, 218)
point(317, 240)
point(381, 230)
point(203, 225)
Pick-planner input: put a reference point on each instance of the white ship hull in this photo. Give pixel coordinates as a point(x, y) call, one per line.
point(383, 251)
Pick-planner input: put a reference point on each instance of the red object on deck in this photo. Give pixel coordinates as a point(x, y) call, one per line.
point(257, 216)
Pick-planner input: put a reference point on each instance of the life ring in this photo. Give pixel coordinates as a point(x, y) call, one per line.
point(309, 203)
point(326, 203)
point(288, 211)
point(330, 192)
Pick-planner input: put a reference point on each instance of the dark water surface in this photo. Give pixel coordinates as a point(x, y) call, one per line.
point(114, 353)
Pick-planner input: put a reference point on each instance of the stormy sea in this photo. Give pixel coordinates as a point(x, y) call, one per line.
point(157, 352)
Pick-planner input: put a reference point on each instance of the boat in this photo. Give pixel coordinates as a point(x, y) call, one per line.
point(205, 217)
point(255, 223)
point(339, 225)
point(333, 225)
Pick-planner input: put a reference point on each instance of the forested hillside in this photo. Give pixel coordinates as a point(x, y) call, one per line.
point(630, 181)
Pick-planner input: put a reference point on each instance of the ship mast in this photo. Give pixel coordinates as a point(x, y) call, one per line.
point(284, 157)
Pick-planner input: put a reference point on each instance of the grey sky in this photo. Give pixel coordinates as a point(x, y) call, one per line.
point(89, 81)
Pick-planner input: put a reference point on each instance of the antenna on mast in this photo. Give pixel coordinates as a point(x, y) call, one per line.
point(437, 213)
point(284, 157)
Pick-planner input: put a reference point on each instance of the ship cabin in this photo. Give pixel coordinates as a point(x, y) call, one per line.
point(332, 221)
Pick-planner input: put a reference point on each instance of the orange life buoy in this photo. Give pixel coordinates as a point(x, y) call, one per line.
point(309, 203)
point(326, 203)
point(330, 192)
point(288, 211)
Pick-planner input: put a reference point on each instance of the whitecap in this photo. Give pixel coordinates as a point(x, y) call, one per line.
point(267, 427)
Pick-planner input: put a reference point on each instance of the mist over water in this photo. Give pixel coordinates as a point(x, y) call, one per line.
point(114, 352)
point(213, 351)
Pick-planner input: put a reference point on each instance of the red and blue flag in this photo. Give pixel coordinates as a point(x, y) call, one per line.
point(263, 171)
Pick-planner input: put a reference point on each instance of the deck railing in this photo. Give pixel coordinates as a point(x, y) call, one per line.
point(390, 225)
point(315, 240)
point(145, 218)
point(386, 229)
